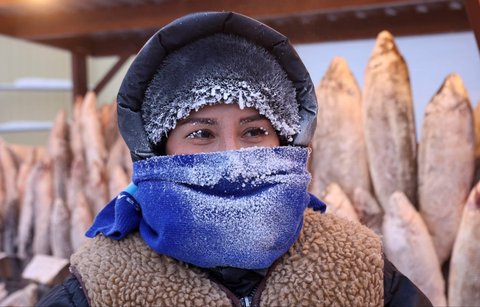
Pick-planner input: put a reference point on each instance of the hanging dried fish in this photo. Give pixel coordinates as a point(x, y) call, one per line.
point(119, 170)
point(60, 230)
point(409, 247)
point(76, 181)
point(339, 153)
point(389, 122)
point(96, 187)
point(368, 210)
point(120, 155)
point(127, 160)
point(92, 134)
point(26, 221)
point(81, 220)
point(80, 209)
point(338, 203)
point(24, 172)
point(43, 208)
point(11, 205)
point(20, 152)
point(118, 180)
point(75, 131)
point(108, 119)
point(446, 158)
point(59, 151)
point(463, 284)
point(40, 153)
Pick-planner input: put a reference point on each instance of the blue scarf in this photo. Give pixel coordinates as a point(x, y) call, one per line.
point(241, 208)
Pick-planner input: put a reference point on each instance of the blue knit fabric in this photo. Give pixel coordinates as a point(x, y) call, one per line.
point(121, 216)
point(240, 208)
point(118, 218)
point(316, 204)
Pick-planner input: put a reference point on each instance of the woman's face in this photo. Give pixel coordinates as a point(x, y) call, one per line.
point(221, 127)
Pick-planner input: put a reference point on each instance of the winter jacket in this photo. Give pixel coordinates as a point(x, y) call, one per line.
point(333, 262)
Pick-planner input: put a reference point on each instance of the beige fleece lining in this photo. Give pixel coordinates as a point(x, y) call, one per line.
point(333, 263)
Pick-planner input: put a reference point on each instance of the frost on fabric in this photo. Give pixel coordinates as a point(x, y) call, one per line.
point(247, 200)
point(251, 166)
point(219, 69)
point(249, 225)
point(209, 92)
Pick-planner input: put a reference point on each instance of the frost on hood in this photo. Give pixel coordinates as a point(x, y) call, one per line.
point(219, 69)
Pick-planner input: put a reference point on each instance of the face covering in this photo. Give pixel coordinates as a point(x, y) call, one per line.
point(241, 208)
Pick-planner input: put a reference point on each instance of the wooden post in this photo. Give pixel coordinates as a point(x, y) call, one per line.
point(79, 74)
point(473, 11)
point(108, 76)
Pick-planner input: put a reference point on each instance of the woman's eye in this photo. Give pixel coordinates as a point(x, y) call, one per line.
point(256, 132)
point(200, 134)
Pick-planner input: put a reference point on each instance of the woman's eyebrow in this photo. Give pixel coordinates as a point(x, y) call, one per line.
point(252, 118)
point(198, 120)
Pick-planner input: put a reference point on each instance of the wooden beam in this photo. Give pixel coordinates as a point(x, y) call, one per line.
point(347, 26)
point(128, 42)
point(319, 27)
point(79, 74)
point(7, 4)
point(108, 76)
point(473, 11)
point(55, 25)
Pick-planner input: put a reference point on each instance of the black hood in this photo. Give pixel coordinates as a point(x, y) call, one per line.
point(191, 28)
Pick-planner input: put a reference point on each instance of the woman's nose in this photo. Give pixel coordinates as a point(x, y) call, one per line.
point(229, 143)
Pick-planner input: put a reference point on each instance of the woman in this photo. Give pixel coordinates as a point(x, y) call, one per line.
point(217, 110)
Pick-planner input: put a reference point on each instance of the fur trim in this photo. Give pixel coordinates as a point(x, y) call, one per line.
point(334, 263)
point(129, 273)
point(219, 69)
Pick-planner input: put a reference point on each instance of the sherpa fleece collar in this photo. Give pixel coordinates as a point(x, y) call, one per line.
point(333, 262)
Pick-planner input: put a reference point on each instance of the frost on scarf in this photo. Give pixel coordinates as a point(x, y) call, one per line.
point(219, 69)
point(251, 165)
point(241, 208)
